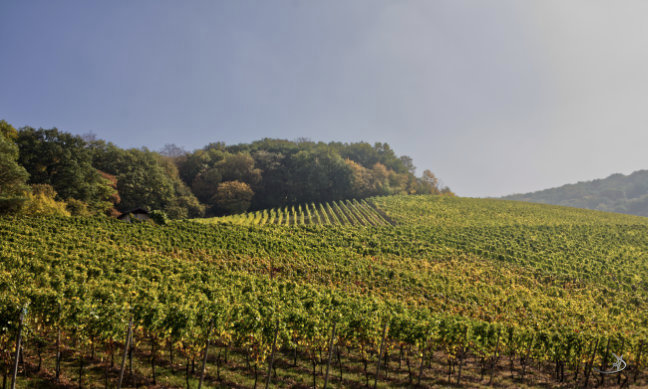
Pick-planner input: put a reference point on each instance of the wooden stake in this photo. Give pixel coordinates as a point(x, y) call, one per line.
point(604, 365)
point(420, 375)
point(382, 344)
point(621, 353)
point(591, 363)
point(272, 354)
point(328, 364)
point(58, 354)
point(126, 347)
point(202, 369)
point(18, 341)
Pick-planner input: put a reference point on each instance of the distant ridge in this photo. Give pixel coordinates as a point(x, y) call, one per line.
point(616, 193)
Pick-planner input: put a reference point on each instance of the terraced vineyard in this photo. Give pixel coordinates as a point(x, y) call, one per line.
point(463, 292)
point(348, 212)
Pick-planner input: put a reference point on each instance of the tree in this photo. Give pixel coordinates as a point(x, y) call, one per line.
point(319, 175)
point(8, 131)
point(63, 161)
point(13, 177)
point(380, 175)
point(146, 179)
point(184, 204)
point(233, 196)
point(408, 163)
point(205, 184)
point(272, 191)
point(362, 185)
point(429, 183)
point(239, 167)
point(282, 172)
point(190, 166)
point(173, 151)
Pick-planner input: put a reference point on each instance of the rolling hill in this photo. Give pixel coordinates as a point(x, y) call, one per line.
point(616, 193)
point(436, 290)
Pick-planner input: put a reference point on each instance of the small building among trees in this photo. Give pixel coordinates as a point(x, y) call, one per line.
point(140, 214)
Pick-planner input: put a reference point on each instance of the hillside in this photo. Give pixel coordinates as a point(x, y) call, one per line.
point(343, 213)
point(450, 290)
point(616, 193)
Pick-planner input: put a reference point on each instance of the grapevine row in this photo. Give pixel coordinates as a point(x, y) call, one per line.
point(345, 212)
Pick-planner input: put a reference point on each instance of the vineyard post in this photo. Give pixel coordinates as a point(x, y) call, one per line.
point(420, 374)
point(604, 365)
point(591, 363)
point(57, 367)
point(636, 372)
point(328, 364)
point(204, 361)
point(58, 345)
point(18, 341)
point(382, 344)
point(494, 360)
point(125, 354)
point(272, 354)
point(621, 353)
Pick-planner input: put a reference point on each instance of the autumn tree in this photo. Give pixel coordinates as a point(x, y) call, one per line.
point(233, 196)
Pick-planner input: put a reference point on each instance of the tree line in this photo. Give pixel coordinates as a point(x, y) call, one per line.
point(47, 171)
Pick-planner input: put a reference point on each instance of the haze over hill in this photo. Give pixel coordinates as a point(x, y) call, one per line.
point(616, 193)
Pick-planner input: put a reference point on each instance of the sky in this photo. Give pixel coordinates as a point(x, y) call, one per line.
point(494, 97)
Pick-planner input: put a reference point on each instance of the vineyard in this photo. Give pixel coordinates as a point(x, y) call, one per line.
point(345, 213)
point(400, 291)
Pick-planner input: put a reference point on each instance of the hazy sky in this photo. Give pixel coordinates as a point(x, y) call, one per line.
point(495, 97)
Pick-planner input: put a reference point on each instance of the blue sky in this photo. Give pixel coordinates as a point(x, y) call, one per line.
point(494, 97)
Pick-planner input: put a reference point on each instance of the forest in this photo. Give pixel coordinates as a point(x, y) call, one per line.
point(52, 172)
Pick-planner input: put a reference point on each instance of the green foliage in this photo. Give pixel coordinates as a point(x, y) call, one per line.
point(146, 179)
point(233, 196)
point(63, 161)
point(42, 202)
point(8, 131)
point(206, 183)
point(78, 208)
point(12, 204)
point(159, 217)
point(96, 177)
point(13, 177)
point(281, 172)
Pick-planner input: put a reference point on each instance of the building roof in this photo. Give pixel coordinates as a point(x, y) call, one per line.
point(136, 211)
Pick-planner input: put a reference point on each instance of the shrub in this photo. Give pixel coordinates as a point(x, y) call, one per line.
point(78, 208)
point(41, 202)
point(159, 217)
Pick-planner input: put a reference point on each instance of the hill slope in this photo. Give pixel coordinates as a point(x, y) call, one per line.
point(467, 278)
point(348, 212)
point(616, 193)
